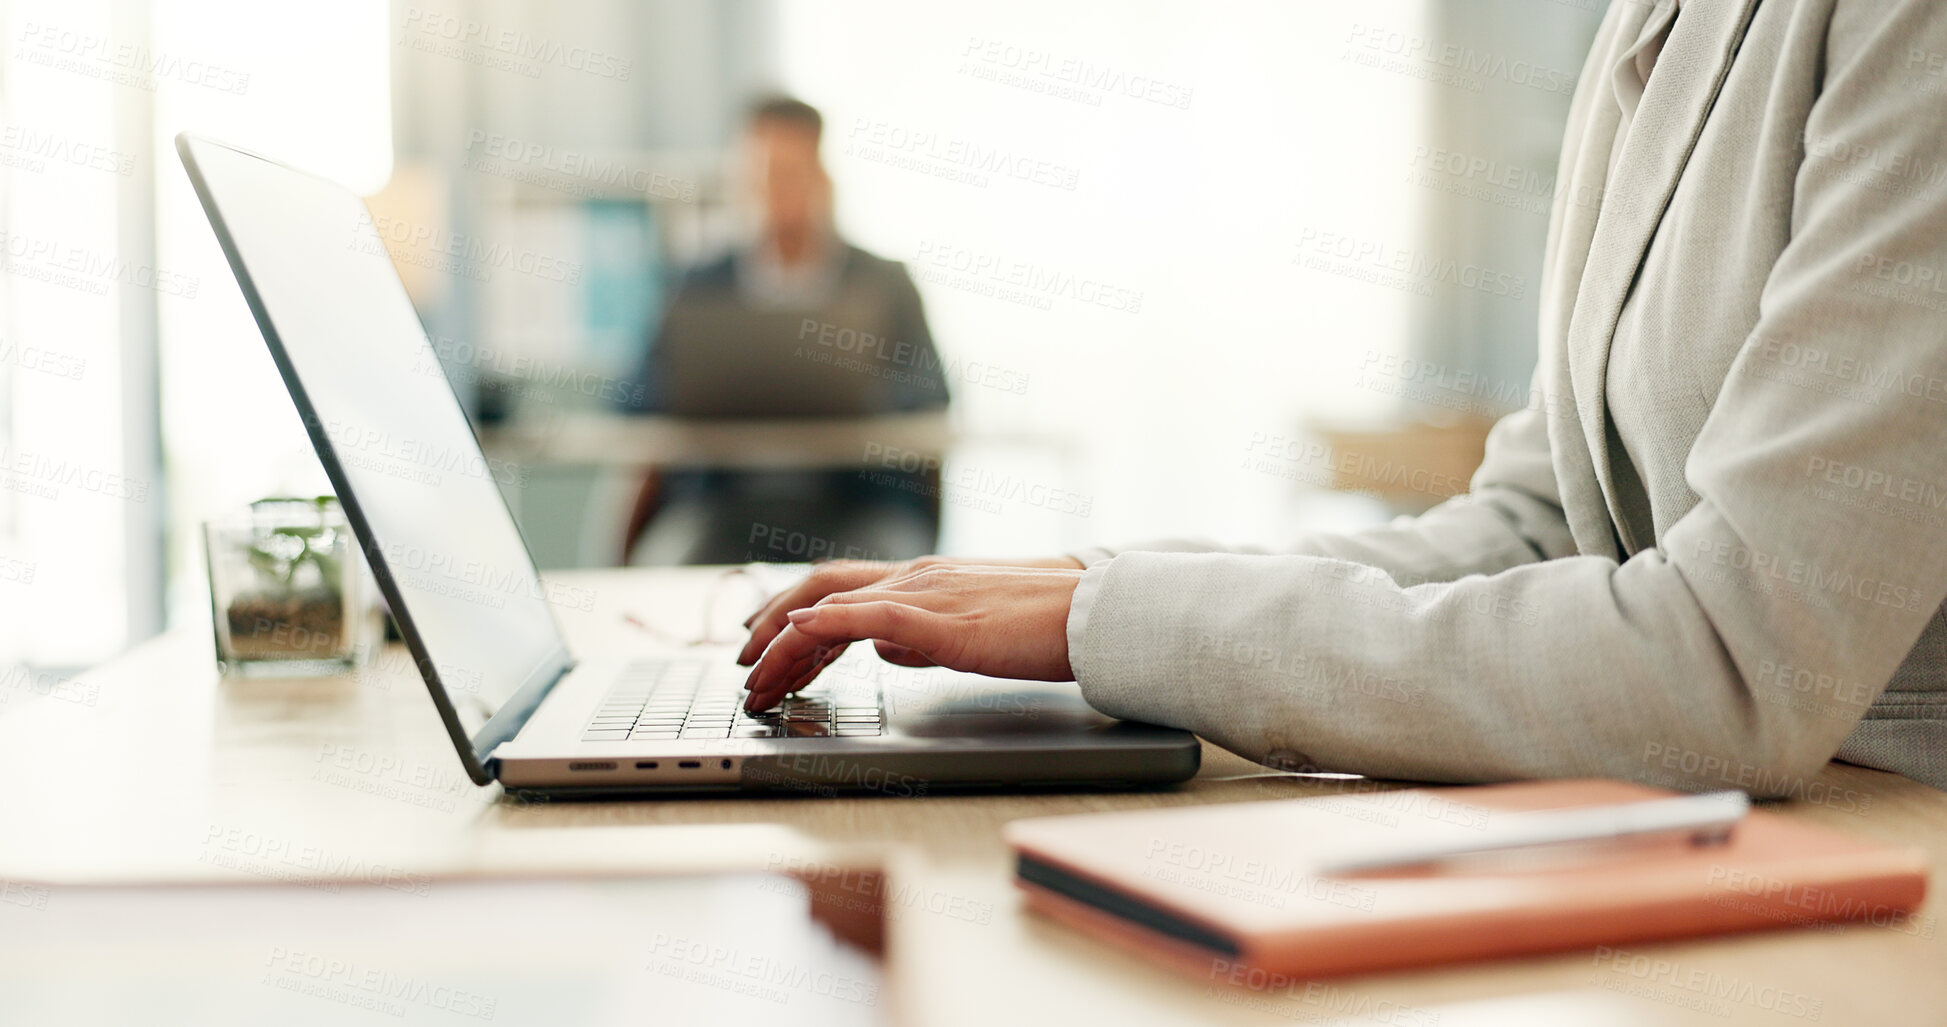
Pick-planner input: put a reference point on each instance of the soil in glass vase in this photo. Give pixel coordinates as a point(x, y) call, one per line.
point(280, 583)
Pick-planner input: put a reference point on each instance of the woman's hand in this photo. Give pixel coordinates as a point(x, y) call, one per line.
point(846, 575)
point(1007, 621)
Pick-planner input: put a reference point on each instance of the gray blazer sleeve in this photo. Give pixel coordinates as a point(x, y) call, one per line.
point(1370, 655)
point(1511, 515)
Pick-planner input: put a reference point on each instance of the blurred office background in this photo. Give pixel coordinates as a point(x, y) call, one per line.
point(1171, 253)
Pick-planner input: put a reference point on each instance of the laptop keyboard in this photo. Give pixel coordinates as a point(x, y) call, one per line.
point(685, 699)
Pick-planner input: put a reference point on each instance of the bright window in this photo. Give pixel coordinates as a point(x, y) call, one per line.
point(69, 487)
point(106, 252)
point(309, 87)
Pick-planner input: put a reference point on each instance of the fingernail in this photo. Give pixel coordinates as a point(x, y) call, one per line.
point(804, 616)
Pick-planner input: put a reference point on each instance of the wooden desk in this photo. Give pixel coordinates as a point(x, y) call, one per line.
point(614, 440)
point(150, 767)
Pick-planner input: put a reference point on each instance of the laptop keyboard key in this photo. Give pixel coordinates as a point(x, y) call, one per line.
point(658, 700)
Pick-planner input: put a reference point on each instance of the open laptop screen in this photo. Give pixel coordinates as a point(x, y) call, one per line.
point(424, 500)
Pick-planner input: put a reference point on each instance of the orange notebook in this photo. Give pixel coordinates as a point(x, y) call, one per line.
point(1232, 883)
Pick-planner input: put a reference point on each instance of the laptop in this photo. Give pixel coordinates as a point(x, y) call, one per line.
point(520, 707)
point(721, 358)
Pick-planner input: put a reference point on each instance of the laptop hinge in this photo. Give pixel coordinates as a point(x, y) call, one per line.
point(513, 714)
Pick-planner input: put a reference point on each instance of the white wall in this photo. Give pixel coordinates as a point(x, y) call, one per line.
point(1250, 136)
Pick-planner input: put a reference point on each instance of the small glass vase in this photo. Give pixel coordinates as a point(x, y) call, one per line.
point(288, 591)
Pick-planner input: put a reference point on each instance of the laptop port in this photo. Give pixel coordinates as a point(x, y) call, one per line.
point(592, 765)
point(645, 764)
point(690, 764)
point(726, 764)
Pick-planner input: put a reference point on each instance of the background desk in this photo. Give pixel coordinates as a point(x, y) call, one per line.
point(151, 767)
point(572, 477)
point(612, 440)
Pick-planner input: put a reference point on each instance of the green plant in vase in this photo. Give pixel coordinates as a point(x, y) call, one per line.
point(297, 609)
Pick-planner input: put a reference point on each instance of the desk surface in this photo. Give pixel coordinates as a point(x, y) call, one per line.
point(151, 767)
point(603, 439)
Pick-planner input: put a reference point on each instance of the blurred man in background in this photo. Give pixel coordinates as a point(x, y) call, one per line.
point(795, 323)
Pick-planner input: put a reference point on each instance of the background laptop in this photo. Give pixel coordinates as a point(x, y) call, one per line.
point(452, 564)
point(724, 358)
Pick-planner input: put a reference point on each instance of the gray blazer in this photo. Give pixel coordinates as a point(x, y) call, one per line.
point(1714, 553)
